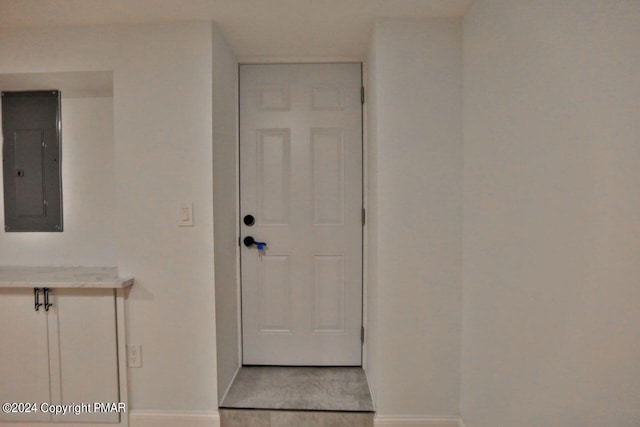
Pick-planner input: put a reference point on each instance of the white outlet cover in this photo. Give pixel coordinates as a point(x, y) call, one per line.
point(134, 356)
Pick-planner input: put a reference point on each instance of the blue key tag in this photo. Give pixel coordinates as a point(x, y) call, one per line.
point(260, 246)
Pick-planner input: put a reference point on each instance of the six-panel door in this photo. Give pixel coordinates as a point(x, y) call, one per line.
point(301, 178)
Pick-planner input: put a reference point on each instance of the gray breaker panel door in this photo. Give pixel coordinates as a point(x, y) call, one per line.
point(31, 156)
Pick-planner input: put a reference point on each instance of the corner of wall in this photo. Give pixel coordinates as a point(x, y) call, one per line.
point(225, 207)
point(414, 260)
point(370, 239)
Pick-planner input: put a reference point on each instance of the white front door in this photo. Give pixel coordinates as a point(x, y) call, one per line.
point(301, 181)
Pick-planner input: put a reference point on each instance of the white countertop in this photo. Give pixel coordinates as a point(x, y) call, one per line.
point(62, 277)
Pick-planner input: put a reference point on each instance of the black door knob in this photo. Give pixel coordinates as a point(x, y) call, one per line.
point(249, 220)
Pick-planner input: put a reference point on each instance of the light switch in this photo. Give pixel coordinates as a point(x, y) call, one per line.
point(186, 215)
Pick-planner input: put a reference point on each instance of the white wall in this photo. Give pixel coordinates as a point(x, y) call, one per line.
point(225, 208)
point(163, 132)
point(415, 214)
point(88, 180)
point(551, 202)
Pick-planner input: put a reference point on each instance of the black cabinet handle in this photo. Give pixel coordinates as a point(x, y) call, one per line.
point(36, 297)
point(46, 299)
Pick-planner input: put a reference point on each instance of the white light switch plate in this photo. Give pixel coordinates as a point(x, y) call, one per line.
point(185, 215)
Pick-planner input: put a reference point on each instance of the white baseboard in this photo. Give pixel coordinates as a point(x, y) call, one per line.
point(416, 421)
point(212, 419)
point(173, 419)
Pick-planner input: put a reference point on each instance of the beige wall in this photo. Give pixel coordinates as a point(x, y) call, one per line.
point(415, 212)
point(551, 335)
point(163, 132)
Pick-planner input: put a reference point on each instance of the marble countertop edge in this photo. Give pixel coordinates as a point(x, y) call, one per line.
point(63, 277)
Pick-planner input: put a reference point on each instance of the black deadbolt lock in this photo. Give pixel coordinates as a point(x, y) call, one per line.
point(20, 173)
point(249, 220)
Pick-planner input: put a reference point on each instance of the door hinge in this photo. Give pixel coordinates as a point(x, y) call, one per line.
point(362, 335)
point(364, 216)
point(362, 95)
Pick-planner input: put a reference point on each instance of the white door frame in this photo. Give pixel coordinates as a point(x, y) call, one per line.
point(365, 186)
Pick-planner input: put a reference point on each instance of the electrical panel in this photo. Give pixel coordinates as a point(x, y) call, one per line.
point(31, 161)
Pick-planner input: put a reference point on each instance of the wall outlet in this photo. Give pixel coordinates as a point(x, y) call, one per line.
point(134, 356)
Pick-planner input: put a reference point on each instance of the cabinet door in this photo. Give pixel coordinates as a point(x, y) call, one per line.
point(85, 320)
point(24, 354)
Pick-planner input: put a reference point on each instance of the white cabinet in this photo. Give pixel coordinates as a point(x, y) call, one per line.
point(24, 353)
point(70, 352)
point(88, 345)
